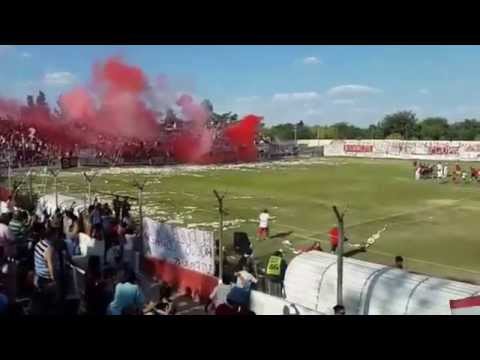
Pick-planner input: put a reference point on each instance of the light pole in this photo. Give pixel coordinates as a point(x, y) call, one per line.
point(140, 187)
point(89, 179)
point(55, 175)
point(221, 212)
point(9, 170)
point(341, 239)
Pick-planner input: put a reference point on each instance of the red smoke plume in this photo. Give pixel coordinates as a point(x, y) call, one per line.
point(119, 103)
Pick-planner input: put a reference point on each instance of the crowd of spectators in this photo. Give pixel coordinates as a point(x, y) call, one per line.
point(21, 145)
point(28, 144)
point(38, 256)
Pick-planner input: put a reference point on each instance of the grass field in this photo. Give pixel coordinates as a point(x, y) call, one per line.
point(433, 226)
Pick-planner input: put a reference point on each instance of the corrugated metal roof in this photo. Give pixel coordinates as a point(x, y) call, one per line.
point(368, 288)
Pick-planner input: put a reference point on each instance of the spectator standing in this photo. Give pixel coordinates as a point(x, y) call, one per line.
point(128, 298)
point(245, 279)
point(71, 228)
point(7, 239)
point(219, 294)
point(44, 271)
point(276, 268)
point(125, 209)
point(96, 221)
point(117, 207)
point(108, 233)
point(10, 204)
point(98, 289)
point(19, 229)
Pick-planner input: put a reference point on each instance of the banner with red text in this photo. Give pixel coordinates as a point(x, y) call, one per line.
point(399, 149)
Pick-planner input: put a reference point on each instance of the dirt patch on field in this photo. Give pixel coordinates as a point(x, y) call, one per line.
point(189, 169)
point(442, 202)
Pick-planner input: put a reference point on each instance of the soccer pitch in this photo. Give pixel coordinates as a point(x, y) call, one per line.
point(433, 226)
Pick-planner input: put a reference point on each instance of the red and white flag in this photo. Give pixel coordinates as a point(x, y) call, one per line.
point(467, 306)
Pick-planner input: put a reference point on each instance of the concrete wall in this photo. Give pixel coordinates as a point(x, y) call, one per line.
point(400, 149)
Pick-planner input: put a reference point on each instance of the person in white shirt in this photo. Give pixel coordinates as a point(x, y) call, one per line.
point(10, 204)
point(245, 279)
point(219, 294)
point(439, 171)
point(445, 172)
point(7, 239)
point(263, 230)
point(418, 173)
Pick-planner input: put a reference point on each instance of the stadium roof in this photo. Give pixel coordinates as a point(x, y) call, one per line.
point(368, 288)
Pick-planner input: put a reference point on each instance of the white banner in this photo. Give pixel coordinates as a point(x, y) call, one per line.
point(192, 249)
point(400, 149)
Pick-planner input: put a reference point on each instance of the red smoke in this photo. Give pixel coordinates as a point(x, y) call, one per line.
point(120, 103)
point(242, 136)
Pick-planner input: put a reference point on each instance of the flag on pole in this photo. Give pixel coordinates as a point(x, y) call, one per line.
point(467, 306)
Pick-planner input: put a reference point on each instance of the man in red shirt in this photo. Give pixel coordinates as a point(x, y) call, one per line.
point(334, 235)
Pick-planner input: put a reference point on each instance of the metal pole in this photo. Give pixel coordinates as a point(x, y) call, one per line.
point(220, 243)
point(9, 171)
point(89, 193)
point(56, 191)
point(339, 256)
point(30, 187)
point(140, 188)
point(140, 210)
point(220, 240)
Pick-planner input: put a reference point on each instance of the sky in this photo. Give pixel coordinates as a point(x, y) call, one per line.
point(315, 84)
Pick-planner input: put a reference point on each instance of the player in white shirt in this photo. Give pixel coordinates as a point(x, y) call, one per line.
point(262, 231)
point(418, 173)
point(445, 173)
point(439, 171)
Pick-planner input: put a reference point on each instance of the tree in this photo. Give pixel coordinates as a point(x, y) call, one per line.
point(394, 136)
point(30, 102)
point(467, 129)
point(41, 99)
point(374, 132)
point(282, 132)
point(433, 128)
point(207, 105)
point(402, 122)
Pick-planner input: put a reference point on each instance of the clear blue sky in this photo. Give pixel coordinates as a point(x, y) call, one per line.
point(316, 84)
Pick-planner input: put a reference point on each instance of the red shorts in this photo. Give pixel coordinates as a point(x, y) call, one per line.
point(262, 232)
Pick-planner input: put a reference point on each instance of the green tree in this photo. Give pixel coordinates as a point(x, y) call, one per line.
point(282, 132)
point(304, 131)
point(394, 136)
point(433, 128)
point(30, 102)
point(402, 122)
point(41, 99)
point(467, 129)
